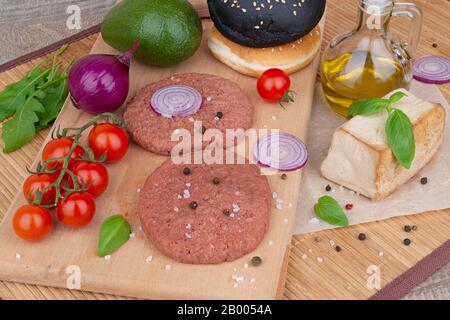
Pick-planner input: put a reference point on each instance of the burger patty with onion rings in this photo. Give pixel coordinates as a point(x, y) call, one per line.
point(182, 100)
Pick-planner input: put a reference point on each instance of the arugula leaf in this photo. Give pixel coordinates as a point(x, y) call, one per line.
point(20, 129)
point(400, 136)
point(53, 101)
point(367, 107)
point(329, 210)
point(16, 94)
point(396, 97)
point(114, 232)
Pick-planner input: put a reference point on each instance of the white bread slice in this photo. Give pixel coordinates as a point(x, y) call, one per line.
point(361, 160)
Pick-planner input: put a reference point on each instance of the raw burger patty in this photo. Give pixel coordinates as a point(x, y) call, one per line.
point(229, 222)
point(153, 131)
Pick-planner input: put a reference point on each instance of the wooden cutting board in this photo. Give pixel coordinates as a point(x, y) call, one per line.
point(51, 261)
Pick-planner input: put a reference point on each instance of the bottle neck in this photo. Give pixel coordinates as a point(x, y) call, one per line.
point(373, 17)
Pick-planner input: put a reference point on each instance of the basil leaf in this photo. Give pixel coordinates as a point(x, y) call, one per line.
point(329, 210)
point(114, 232)
point(400, 136)
point(367, 107)
point(20, 129)
point(396, 97)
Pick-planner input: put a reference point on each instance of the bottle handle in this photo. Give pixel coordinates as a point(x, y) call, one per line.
point(412, 11)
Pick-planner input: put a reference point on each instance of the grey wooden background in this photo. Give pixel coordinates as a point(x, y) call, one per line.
point(27, 25)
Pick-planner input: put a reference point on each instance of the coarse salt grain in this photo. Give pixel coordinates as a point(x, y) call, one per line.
point(253, 280)
point(274, 195)
point(107, 258)
point(304, 256)
point(332, 243)
point(235, 285)
point(149, 259)
point(290, 205)
point(279, 206)
point(188, 226)
point(208, 98)
point(132, 235)
point(188, 184)
point(138, 190)
point(314, 221)
point(270, 243)
point(245, 265)
point(381, 253)
point(18, 256)
point(285, 220)
point(187, 235)
point(168, 267)
point(319, 259)
point(176, 209)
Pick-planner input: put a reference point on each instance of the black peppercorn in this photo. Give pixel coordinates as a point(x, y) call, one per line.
point(328, 188)
point(216, 180)
point(226, 212)
point(317, 239)
point(362, 236)
point(219, 115)
point(187, 171)
point(406, 242)
point(338, 249)
point(256, 261)
point(284, 176)
point(407, 228)
point(434, 45)
point(414, 228)
point(424, 180)
point(193, 205)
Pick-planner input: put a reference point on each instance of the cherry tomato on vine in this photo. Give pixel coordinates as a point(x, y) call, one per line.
point(91, 174)
point(37, 182)
point(32, 223)
point(274, 86)
point(76, 210)
point(110, 139)
point(59, 148)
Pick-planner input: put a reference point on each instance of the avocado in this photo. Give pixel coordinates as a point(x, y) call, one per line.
point(169, 31)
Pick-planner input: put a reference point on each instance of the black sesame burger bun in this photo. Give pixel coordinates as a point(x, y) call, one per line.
point(265, 23)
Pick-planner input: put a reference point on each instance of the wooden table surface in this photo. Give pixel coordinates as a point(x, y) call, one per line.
point(340, 275)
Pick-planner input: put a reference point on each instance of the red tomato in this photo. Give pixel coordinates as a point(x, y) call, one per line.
point(274, 86)
point(32, 223)
point(59, 148)
point(93, 174)
point(110, 139)
point(37, 182)
point(76, 210)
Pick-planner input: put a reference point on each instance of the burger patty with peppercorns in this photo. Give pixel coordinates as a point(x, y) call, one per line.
point(205, 214)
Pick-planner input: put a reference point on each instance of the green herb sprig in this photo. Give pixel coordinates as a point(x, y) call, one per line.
point(33, 102)
point(329, 210)
point(398, 128)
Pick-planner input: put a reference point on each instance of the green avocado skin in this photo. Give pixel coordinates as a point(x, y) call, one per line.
point(169, 31)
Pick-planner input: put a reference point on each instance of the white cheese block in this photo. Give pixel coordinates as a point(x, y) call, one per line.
point(361, 160)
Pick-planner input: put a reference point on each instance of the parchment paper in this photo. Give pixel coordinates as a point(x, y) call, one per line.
point(411, 198)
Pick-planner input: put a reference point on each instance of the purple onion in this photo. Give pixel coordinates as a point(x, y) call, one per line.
point(100, 82)
point(281, 151)
point(176, 101)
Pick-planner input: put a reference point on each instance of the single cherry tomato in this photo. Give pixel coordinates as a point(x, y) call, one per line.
point(32, 223)
point(274, 86)
point(109, 139)
point(59, 148)
point(76, 210)
point(37, 182)
point(91, 174)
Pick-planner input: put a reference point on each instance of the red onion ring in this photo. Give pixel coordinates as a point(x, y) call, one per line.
point(432, 69)
point(176, 101)
point(281, 151)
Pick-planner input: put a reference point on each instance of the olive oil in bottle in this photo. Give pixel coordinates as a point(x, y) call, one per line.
point(359, 75)
point(369, 61)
